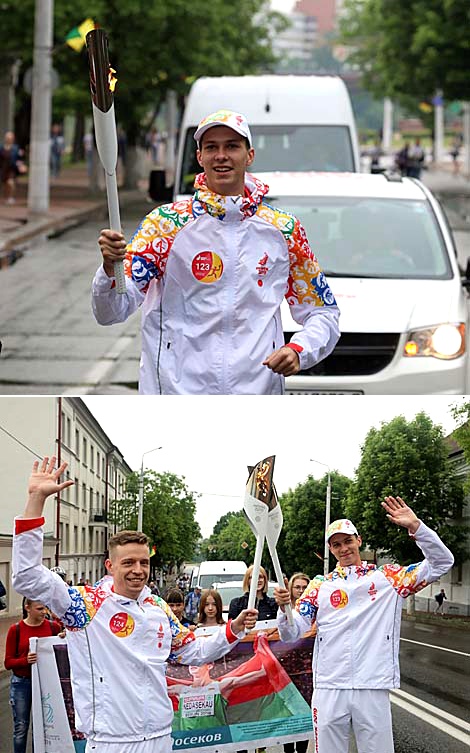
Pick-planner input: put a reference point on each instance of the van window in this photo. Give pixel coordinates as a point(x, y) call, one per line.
point(371, 237)
point(206, 581)
point(287, 148)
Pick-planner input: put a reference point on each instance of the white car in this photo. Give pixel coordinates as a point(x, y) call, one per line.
point(388, 253)
point(232, 589)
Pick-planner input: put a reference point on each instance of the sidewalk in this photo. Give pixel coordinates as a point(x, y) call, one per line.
point(70, 204)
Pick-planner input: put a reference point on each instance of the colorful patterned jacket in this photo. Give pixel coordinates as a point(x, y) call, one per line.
point(118, 647)
point(211, 273)
point(358, 611)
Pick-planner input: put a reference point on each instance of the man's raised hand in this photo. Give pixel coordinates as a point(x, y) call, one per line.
point(43, 482)
point(399, 513)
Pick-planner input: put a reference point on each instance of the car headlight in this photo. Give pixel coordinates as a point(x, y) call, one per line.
point(444, 341)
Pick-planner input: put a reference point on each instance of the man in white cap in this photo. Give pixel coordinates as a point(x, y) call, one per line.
point(357, 610)
point(211, 272)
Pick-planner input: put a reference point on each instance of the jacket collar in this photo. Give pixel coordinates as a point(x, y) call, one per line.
point(233, 207)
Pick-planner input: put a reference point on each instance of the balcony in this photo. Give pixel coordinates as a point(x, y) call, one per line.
point(98, 515)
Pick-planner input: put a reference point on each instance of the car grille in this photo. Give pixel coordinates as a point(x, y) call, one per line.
point(355, 354)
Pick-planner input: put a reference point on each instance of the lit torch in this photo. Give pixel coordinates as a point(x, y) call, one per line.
point(102, 83)
point(264, 515)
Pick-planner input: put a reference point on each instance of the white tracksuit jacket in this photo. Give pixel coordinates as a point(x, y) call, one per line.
point(118, 647)
point(210, 273)
point(358, 612)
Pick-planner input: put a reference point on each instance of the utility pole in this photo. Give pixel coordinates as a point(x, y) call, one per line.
point(41, 105)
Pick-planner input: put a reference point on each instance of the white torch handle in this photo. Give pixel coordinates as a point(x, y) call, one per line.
point(255, 571)
point(106, 143)
point(280, 580)
point(115, 224)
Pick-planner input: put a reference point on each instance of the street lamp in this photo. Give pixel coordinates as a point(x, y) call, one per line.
point(326, 551)
point(140, 512)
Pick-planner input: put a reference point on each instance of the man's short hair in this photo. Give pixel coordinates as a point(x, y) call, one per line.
point(126, 537)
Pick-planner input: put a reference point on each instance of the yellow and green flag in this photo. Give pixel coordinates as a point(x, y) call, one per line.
point(76, 38)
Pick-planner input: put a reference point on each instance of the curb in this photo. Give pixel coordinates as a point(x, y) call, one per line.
point(54, 225)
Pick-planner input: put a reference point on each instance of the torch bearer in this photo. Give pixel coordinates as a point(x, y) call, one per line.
point(102, 84)
point(264, 517)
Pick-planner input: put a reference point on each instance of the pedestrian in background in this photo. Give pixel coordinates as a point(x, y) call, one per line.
point(222, 256)
point(416, 159)
point(57, 149)
point(357, 610)
point(175, 600)
point(266, 605)
point(19, 659)
point(440, 602)
point(210, 609)
point(11, 165)
point(191, 604)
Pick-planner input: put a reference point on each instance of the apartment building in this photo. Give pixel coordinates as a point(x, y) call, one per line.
point(76, 524)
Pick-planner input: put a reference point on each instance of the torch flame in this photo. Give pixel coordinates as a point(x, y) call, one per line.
point(112, 80)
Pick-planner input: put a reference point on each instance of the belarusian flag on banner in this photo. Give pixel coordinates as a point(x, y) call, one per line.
point(76, 38)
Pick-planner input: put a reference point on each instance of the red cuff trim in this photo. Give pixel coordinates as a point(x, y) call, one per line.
point(294, 346)
point(230, 635)
point(113, 284)
point(27, 524)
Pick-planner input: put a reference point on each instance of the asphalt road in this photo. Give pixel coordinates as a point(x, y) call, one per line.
point(431, 711)
point(51, 342)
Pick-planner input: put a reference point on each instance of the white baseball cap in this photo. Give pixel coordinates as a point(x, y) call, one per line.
point(343, 525)
point(234, 120)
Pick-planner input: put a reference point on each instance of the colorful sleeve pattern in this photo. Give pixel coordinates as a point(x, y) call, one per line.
point(405, 580)
point(307, 283)
point(147, 251)
point(307, 605)
point(86, 601)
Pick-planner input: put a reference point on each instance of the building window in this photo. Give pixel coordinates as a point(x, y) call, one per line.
point(84, 496)
point(77, 492)
point(75, 539)
point(77, 443)
point(97, 462)
point(84, 451)
point(92, 459)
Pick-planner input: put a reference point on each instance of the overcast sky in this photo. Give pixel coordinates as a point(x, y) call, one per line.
point(211, 440)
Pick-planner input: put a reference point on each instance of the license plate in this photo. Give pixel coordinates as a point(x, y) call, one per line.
point(324, 392)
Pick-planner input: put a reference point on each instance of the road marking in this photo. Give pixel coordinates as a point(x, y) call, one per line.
point(430, 645)
point(100, 370)
point(447, 723)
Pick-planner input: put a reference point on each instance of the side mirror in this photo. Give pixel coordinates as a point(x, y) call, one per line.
point(158, 191)
point(465, 279)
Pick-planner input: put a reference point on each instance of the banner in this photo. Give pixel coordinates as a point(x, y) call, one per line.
point(257, 695)
point(52, 704)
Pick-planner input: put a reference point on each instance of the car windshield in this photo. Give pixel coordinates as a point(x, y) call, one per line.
point(288, 148)
point(371, 237)
point(231, 592)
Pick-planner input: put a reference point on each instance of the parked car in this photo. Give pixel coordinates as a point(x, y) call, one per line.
point(390, 259)
point(230, 590)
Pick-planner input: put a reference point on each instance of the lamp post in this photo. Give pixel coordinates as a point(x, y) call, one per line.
point(326, 551)
point(140, 512)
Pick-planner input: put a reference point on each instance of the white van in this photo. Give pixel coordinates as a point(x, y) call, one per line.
point(298, 123)
point(220, 571)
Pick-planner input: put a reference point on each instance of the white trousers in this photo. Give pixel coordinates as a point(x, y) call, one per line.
point(155, 745)
point(368, 711)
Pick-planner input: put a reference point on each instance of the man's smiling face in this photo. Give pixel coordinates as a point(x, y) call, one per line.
point(224, 157)
point(130, 567)
point(346, 547)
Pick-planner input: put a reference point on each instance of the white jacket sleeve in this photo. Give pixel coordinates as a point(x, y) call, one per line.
point(30, 577)
point(311, 302)
point(409, 579)
point(110, 307)
point(204, 649)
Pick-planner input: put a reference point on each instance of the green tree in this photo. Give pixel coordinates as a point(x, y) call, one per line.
point(301, 543)
point(228, 539)
point(153, 47)
point(409, 47)
point(410, 460)
point(169, 510)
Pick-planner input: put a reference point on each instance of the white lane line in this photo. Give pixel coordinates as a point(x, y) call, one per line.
point(447, 723)
point(430, 645)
